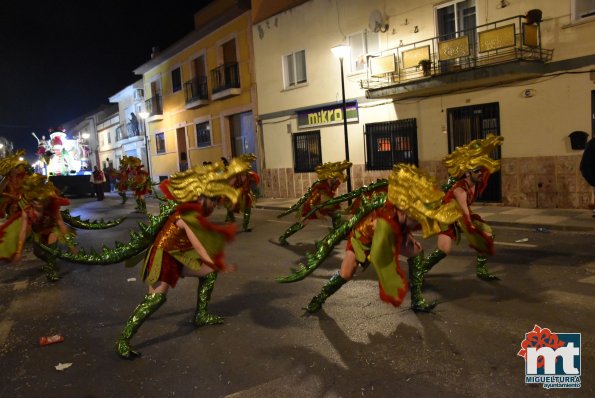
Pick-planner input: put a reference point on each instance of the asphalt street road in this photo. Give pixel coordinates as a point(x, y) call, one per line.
point(356, 346)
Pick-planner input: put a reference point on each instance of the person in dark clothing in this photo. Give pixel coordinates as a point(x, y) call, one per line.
point(588, 168)
point(97, 179)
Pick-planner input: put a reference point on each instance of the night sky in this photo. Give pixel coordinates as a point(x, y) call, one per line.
point(60, 60)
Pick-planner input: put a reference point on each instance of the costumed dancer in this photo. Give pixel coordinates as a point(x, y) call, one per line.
point(470, 166)
point(247, 201)
point(330, 177)
point(122, 175)
point(379, 231)
point(14, 169)
point(38, 218)
point(139, 183)
point(187, 245)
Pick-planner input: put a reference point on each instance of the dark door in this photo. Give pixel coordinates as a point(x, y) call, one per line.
point(242, 135)
point(469, 123)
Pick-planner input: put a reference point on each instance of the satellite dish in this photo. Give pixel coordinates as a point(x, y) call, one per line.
point(378, 22)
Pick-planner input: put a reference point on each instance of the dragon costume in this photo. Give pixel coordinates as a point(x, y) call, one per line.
point(169, 246)
point(244, 182)
point(330, 177)
point(13, 169)
point(472, 158)
point(39, 219)
point(380, 229)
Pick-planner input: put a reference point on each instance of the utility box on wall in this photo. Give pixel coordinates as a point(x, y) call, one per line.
point(578, 139)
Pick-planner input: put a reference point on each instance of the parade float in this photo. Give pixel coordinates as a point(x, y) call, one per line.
point(65, 161)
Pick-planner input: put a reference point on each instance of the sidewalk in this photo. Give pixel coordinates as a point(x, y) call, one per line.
point(550, 219)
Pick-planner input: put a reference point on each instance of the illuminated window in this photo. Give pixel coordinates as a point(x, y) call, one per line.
point(391, 142)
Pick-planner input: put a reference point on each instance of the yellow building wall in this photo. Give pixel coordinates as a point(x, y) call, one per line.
point(175, 114)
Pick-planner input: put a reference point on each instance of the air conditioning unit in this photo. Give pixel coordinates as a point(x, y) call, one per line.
point(139, 94)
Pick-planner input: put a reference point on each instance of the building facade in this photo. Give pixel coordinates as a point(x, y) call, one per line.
point(200, 96)
point(125, 134)
point(423, 77)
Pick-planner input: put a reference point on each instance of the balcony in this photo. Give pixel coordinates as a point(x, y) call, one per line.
point(196, 92)
point(128, 130)
point(494, 53)
point(154, 106)
point(226, 81)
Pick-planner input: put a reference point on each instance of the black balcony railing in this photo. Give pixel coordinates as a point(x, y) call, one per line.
point(154, 105)
point(225, 77)
point(507, 40)
point(127, 130)
point(196, 89)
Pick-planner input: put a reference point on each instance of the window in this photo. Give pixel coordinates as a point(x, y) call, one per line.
point(176, 80)
point(160, 142)
point(307, 153)
point(294, 69)
point(360, 45)
point(582, 9)
point(203, 135)
point(109, 137)
point(391, 142)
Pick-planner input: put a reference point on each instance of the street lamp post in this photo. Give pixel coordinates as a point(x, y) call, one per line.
point(144, 115)
point(341, 52)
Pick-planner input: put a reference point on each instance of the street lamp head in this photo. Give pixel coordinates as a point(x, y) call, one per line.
point(143, 114)
point(341, 51)
point(85, 136)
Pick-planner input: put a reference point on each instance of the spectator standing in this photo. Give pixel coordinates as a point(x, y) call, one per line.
point(97, 179)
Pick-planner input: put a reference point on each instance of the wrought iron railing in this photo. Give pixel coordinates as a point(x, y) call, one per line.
point(225, 77)
point(502, 41)
point(154, 105)
point(196, 89)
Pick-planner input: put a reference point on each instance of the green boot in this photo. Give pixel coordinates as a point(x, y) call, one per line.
point(149, 305)
point(246, 222)
point(290, 231)
point(230, 217)
point(416, 281)
point(123, 196)
point(143, 205)
point(482, 269)
point(432, 259)
point(205, 288)
point(50, 267)
point(333, 284)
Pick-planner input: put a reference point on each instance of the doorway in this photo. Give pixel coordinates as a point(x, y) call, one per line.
point(182, 149)
point(242, 136)
point(469, 123)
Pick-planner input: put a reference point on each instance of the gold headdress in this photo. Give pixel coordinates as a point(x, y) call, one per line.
point(473, 155)
point(11, 161)
point(209, 180)
point(128, 162)
point(36, 187)
point(418, 195)
point(247, 157)
point(332, 170)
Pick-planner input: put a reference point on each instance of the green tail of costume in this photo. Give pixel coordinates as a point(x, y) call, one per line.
point(331, 287)
point(148, 306)
point(416, 281)
point(246, 221)
point(205, 288)
point(336, 218)
point(482, 269)
point(432, 259)
point(290, 231)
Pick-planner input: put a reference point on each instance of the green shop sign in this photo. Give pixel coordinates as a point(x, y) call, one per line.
point(327, 115)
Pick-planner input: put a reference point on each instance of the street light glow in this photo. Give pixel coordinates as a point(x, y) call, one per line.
point(144, 114)
point(341, 51)
point(85, 136)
